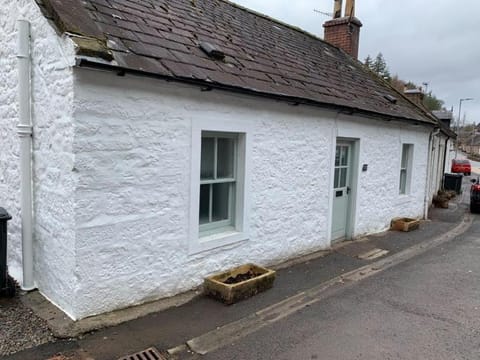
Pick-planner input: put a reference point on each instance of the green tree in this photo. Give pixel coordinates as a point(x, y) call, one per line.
point(410, 85)
point(368, 62)
point(378, 66)
point(381, 68)
point(397, 83)
point(431, 102)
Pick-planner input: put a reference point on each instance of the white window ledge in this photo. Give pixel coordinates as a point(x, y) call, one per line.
point(404, 199)
point(213, 241)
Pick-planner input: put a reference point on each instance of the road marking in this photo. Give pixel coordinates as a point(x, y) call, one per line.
point(177, 350)
point(373, 254)
point(232, 332)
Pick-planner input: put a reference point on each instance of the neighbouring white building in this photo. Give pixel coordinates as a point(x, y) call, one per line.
point(173, 139)
point(442, 149)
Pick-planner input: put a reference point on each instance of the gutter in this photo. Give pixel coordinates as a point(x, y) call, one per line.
point(24, 131)
point(445, 152)
point(93, 63)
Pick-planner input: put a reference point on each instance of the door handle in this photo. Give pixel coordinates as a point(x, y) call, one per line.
point(348, 190)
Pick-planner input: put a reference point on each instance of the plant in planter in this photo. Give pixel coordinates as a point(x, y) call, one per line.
point(450, 194)
point(440, 201)
point(404, 224)
point(239, 283)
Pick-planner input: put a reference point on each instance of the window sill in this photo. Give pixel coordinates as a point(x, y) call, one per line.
point(404, 199)
point(212, 241)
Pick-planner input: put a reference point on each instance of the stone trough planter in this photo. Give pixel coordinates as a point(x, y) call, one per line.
point(405, 224)
point(440, 201)
point(238, 283)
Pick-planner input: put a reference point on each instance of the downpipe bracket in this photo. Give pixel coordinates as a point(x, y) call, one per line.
point(24, 130)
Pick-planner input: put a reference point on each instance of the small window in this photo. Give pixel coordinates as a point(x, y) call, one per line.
point(217, 182)
point(221, 152)
point(341, 166)
point(406, 168)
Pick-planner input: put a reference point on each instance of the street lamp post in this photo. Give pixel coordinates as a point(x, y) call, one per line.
point(458, 122)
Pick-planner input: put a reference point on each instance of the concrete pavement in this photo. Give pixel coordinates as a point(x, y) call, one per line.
point(425, 308)
point(176, 326)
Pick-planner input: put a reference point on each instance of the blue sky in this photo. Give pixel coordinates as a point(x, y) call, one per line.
point(437, 42)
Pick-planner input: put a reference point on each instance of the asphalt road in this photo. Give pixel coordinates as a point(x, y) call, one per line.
point(475, 167)
point(425, 308)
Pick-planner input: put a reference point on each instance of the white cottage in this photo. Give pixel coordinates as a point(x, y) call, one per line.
point(173, 139)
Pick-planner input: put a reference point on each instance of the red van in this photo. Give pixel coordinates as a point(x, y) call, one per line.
point(461, 166)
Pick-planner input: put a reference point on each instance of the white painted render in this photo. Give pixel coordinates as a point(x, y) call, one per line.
point(450, 156)
point(52, 98)
point(443, 152)
point(133, 154)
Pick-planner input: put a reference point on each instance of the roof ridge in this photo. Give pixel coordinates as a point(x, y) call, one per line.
point(280, 22)
point(424, 110)
point(291, 27)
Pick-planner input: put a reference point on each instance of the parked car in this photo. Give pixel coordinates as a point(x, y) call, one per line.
point(475, 196)
point(461, 166)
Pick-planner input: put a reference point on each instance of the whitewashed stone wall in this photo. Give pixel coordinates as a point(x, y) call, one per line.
point(437, 165)
point(378, 198)
point(450, 155)
point(132, 161)
point(52, 83)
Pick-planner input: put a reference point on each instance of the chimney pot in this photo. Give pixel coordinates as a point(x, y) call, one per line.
point(350, 8)
point(337, 9)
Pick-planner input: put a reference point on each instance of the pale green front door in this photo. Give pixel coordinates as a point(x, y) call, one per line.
point(341, 190)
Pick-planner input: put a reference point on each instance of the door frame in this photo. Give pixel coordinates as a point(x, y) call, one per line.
point(352, 200)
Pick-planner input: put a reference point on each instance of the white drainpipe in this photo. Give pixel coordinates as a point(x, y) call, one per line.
point(24, 131)
point(426, 201)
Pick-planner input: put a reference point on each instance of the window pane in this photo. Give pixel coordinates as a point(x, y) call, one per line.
point(221, 201)
point(344, 157)
point(225, 158)
point(343, 177)
point(335, 180)
point(207, 158)
point(204, 203)
point(403, 181)
point(337, 157)
point(404, 155)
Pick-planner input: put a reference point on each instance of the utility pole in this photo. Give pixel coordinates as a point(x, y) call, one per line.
point(473, 137)
point(458, 123)
point(426, 86)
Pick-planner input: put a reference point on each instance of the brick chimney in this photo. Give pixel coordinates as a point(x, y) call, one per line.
point(415, 95)
point(344, 31)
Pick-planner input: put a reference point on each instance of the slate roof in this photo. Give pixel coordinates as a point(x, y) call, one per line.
point(443, 114)
point(263, 56)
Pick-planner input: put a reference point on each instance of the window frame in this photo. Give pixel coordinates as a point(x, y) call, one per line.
point(200, 241)
point(407, 154)
point(341, 167)
point(229, 224)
